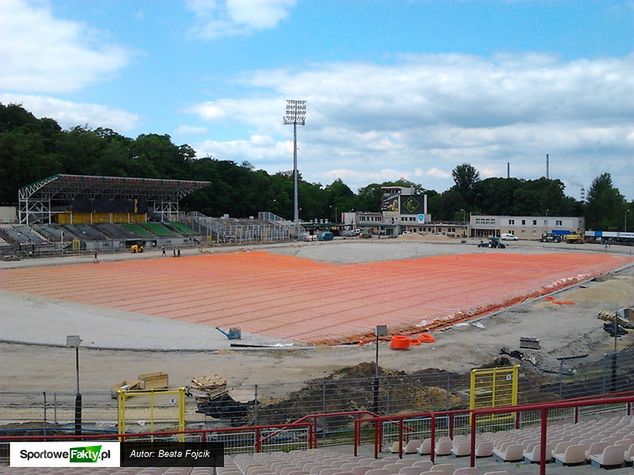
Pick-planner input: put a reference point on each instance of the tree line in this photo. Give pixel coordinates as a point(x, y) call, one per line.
point(32, 149)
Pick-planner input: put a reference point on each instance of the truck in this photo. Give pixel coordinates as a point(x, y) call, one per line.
point(573, 238)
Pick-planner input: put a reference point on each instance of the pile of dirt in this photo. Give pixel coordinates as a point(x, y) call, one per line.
point(353, 389)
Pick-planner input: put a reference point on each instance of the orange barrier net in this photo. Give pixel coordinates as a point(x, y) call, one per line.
point(314, 302)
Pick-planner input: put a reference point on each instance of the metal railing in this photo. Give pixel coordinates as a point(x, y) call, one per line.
point(428, 390)
point(563, 411)
point(267, 228)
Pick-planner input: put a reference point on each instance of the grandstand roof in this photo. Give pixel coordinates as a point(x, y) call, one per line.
point(39, 200)
point(67, 187)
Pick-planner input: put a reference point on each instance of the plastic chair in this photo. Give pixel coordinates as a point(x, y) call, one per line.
point(573, 455)
point(427, 465)
point(411, 471)
point(467, 471)
point(378, 471)
point(611, 456)
point(446, 468)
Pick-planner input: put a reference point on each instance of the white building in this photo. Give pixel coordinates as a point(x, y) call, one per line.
point(525, 227)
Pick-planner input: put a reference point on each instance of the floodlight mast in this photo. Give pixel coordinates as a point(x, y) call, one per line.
point(296, 115)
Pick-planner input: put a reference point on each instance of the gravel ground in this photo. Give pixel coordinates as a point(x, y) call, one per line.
point(563, 329)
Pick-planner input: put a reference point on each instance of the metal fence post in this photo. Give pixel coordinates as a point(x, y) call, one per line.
point(387, 398)
point(448, 391)
point(323, 397)
point(55, 408)
point(605, 377)
point(614, 369)
point(44, 395)
point(255, 410)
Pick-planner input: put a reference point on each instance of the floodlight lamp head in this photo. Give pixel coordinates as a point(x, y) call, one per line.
point(295, 112)
point(73, 341)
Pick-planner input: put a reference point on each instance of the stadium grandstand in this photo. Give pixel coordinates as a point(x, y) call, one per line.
point(89, 213)
point(577, 437)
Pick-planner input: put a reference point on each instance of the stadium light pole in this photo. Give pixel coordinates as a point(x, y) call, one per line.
point(73, 341)
point(625, 221)
point(295, 115)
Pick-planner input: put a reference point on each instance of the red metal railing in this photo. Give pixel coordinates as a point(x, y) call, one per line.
point(309, 423)
point(203, 433)
point(377, 422)
point(313, 418)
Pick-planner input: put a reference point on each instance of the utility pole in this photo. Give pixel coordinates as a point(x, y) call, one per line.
point(295, 115)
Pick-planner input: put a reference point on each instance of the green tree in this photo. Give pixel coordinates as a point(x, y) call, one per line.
point(339, 198)
point(605, 206)
point(465, 177)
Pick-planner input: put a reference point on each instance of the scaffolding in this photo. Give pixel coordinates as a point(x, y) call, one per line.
point(268, 227)
point(39, 201)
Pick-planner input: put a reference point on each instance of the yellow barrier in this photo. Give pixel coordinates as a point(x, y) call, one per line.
point(151, 395)
point(494, 387)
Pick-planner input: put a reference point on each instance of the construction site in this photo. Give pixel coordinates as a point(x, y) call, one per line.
point(306, 311)
point(191, 335)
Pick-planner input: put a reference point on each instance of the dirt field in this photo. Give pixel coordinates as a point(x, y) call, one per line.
point(563, 329)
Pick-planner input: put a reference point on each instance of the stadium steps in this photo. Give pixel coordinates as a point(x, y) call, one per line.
point(181, 228)
point(115, 231)
point(159, 229)
point(137, 230)
point(86, 232)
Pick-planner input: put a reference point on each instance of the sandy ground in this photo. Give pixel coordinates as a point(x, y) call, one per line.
point(563, 329)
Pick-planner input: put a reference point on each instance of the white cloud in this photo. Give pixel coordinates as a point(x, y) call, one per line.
point(260, 148)
point(423, 115)
point(43, 54)
point(432, 172)
point(69, 114)
point(356, 176)
point(218, 18)
point(190, 130)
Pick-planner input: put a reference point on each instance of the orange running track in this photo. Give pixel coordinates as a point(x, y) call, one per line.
point(299, 299)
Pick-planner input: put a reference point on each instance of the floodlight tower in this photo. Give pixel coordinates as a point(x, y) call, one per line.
point(296, 115)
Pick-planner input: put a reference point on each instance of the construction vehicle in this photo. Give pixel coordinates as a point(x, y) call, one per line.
point(494, 243)
point(551, 237)
point(136, 248)
point(573, 238)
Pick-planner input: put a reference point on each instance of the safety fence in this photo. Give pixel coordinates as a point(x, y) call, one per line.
point(395, 431)
point(268, 227)
point(235, 440)
point(383, 430)
point(348, 391)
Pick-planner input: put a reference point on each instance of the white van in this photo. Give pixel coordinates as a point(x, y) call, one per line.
point(508, 237)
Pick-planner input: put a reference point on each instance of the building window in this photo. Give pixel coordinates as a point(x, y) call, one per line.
point(511, 221)
point(534, 222)
point(523, 222)
point(558, 222)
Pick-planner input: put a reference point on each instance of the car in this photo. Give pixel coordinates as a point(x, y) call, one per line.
point(325, 236)
point(508, 237)
point(551, 237)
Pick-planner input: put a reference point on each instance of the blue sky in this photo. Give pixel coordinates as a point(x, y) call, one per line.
point(395, 88)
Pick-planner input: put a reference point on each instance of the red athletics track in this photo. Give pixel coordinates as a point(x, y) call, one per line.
point(299, 299)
